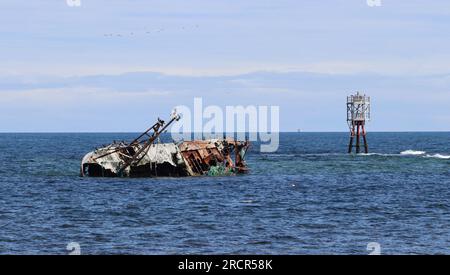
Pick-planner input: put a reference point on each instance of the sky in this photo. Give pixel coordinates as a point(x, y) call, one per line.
point(117, 65)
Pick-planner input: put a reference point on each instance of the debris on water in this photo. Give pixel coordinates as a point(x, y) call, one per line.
point(146, 157)
point(220, 170)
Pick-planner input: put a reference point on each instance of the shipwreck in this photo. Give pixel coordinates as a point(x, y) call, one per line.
point(146, 156)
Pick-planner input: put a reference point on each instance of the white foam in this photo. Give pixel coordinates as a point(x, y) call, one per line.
point(438, 156)
point(378, 154)
point(412, 153)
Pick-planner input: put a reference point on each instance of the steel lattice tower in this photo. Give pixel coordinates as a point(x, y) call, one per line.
point(358, 113)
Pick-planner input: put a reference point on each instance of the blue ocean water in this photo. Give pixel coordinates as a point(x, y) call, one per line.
point(309, 197)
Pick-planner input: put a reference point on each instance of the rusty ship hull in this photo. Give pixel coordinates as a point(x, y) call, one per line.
point(147, 157)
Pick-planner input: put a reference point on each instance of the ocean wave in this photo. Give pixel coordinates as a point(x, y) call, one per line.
point(410, 153)
point(413, 153)
point(438, 156)
point(379, 154)
point(424, 154)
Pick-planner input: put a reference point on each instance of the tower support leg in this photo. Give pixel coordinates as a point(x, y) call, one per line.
point(352, 136)
point(358, 135)
point(366, 146)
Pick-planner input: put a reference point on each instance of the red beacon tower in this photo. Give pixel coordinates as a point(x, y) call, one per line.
point(358, 113)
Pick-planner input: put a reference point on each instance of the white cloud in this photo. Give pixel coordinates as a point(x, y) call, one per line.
point(75, 95)
point(439, 64)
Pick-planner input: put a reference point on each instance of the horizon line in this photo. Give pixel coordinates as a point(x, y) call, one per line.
point(133, 132)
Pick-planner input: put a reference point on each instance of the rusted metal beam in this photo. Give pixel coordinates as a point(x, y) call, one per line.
point(155, 135)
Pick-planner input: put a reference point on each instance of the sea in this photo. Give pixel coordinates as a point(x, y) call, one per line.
point(308, 197)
